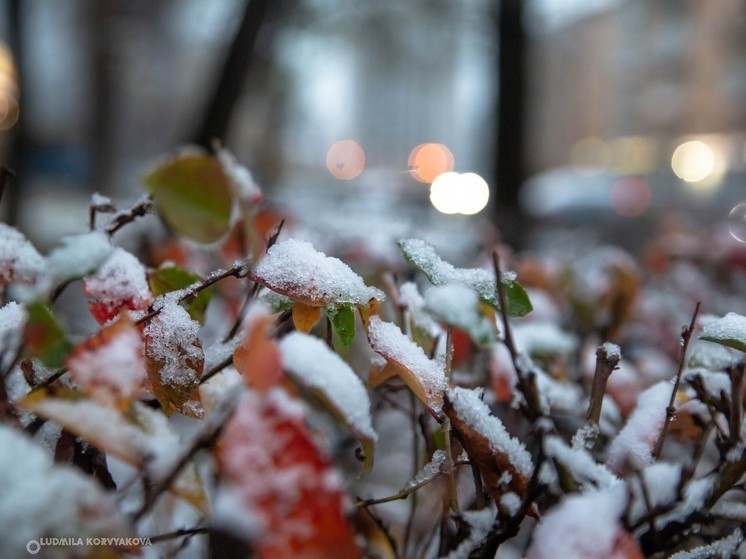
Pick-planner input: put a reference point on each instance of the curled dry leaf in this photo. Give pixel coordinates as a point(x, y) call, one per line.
point(110, 365)
point(503, 461)
point(283, 483)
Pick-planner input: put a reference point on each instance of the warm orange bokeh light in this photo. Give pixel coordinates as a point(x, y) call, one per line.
point(630, 196)
point(345, 159)
point(427, 161)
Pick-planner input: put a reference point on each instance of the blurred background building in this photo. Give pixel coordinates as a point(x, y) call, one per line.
point(603, 113)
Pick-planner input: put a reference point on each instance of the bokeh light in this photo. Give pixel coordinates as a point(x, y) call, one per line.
point(630, 197)
point(427, 161)
point(634, 155)
point(345, 159)
point(737, 222)
point(693, 161)
point(456, 193)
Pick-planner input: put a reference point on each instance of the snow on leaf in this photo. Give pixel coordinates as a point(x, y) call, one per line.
point(423, 255)
point(167, 279)
point(40, 498)
point(78, 256)
point(294, 268)
point(284, 483)
point(634, 444)
point(503, 461)
point(585, 526)
point(543, 338)
point(173, 355)
point(142, 438)
point(311, 363)
point(19, 260)
point(44, 336)
point(118, 284)
point(193, 195)
point(458, 305)
point(110, 365)
point(729, 331)
point(305, 316)
point(425, 377)
point(425, 330)
point(257, 357)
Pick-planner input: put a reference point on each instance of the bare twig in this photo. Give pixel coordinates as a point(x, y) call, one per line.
point(384, 530)
point(607, 360)
point(686, 334)
point(452, 494)
point(184, 532)
point(526, 378)
point(122, 218)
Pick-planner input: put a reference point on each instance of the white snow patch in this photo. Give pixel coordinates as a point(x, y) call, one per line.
point(724, 548)
point(585, 525)
point(731, 327)
point(293, 267)
point(580, 463)
point(13, 318)
point(314, 365)
point(634, 444)
point(40, 498)
point(78, 256)
point(480, 523)
point(240, 177)
point(543, 338)
point(431, 470)
point(458, 305)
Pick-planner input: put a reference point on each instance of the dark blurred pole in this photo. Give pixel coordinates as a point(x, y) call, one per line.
point(216, 119)
point(510, 169)
point(100, 17)
point(18, 145)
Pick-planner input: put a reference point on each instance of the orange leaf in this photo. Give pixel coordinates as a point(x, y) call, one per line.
point(258, 358)
point(283, 481)
point(305, 316)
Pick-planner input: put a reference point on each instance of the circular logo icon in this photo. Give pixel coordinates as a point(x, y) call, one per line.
point(33, 547)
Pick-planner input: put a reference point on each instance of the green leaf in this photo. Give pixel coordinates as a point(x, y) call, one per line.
point(44, 336)
point(172, 278)
point(423, 255)
point(729, 331)
point(193, 195)
point(343, 320)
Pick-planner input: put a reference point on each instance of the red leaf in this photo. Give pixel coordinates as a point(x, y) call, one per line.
point(258, 358)
point(283, 481)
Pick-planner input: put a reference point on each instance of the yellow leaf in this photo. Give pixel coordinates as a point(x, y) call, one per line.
point(305, 316)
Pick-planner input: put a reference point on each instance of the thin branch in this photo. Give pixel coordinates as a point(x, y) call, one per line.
point(384, 530)
point(122, 218)
point(686, 334)
point(526, 379)
point(452, 493)
point(735, 419)
point(606, 362)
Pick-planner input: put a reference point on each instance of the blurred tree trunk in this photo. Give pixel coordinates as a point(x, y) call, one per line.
point(230, 83)
point(510, 170)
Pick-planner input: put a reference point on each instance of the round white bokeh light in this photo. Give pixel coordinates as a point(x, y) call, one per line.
point(456, 193)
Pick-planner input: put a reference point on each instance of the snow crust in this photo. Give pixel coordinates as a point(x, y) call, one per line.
point(78, 256)
point(119, 281)
point(293, 267)
point(731, 327)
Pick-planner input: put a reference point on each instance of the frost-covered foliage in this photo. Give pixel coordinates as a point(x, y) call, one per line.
point(242, 393)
